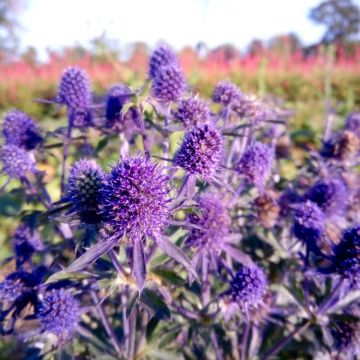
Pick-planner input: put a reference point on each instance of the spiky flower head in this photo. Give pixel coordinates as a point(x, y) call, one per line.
point(26, 241)
point(346, 337)
point(346, 259)
point(59, 314)
point(225, 93)
point(74, 89)
point(248, 288)
point(330, 195)
point(86, 180)
point(343, 146)
point(168, 84)
point(192, 111)
point(20, 130)
point(309, 223)
point(135, 198)
point(162, 56)
point(215, 223)
point(256, 163)
point(352, 123)
point(13, 286)
point(16, 161)
point(201, 151)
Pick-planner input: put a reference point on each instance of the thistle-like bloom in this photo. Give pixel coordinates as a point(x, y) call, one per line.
point(135, 198)
point(20, 130)
point(346, 337)
point(256, 163)
point(116, 98)
point(86, 180)
point(214, 221)
point(346, 259)
point(330, 195)
point(16, 161)
point(74, 89)
point(309, 224)
point(162, 56)
point(26, 241)
point(12, 287)
point(201, 151)
point(352, 123)
point(225, 93)
point(168, 84)
point(343, 146)
point(192, 111)
point(248, 289)
point(59, 314)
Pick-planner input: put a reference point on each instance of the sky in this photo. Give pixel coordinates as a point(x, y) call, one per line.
point(54, 24)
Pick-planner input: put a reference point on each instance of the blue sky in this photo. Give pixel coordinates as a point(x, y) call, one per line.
point(50, 23)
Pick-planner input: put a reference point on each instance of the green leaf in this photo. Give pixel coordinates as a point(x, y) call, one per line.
point(154, 302)
point(170, 276)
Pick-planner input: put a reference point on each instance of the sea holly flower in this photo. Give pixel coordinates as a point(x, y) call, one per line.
point(247, 292)
point(162, 56)
point(86, 180)
point(309, 224)
point(200, 154)
point(16, 162)
point(330, 195)
point(135, 206)
point(346, 258)
point(117, 97)
point(352, 123)
point(26, 241)
point(192, 111)
point(59, 314)
point(256, 163)
point(169, 84)
point(74, 92)
point(225, 93)
point(212, 234)
point(20, 130)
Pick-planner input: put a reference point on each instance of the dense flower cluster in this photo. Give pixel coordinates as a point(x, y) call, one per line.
point(20, 130)
point(59, 314)
point(177, 227)
point(201, 151)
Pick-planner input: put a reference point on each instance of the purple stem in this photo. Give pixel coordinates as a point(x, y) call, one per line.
point(132, 334)
point(67, 142)
point(119, 268)
point(245, 340)
point(218, 352)
point(106, 324)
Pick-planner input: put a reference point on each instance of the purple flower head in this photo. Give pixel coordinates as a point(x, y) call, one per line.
point(12, 287)
point(192, 111)
point(168, 84)
point(81, 118)
point(162, 56)
point(309, 223)
point(248, 289)
point(20, 130)
point(201, 151)
point(346, 337)
point(215, 221)
point(225, 93)
point(86, 180)
point(255, 164)
point(135, 198)
point(74, 89)
point(26, 241)
point(16, 161)
point(352, 123)
point(330, 195)
point(346, 259)
point(59, 314)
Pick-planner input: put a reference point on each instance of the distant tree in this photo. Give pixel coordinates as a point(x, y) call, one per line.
point(285, 44)
point(256, 47)
point(341, 18)
point(8, 25)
